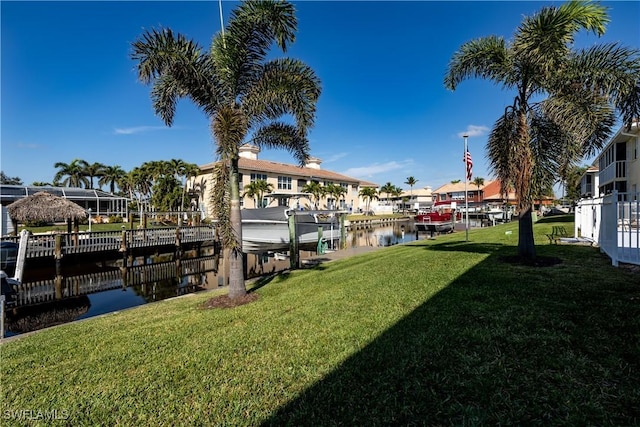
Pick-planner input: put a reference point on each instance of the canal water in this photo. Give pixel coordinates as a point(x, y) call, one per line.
point(103, 287)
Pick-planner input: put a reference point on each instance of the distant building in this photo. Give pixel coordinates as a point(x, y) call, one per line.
point(418, 198)
point(485, 197)
point(589, 182)
point(98, 202)
point(287, 180)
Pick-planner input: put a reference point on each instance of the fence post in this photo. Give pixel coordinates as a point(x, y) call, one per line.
point(613, 223)
point(2, 300)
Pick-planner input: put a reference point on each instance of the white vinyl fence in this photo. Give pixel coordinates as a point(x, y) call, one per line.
point(613, 223)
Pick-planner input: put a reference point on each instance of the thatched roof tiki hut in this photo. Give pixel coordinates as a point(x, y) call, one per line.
point(46, 207)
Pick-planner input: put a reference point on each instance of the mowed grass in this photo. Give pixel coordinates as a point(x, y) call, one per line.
point(436, 332)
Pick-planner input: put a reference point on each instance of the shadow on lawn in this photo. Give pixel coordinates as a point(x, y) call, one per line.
point(471, 247)
point(480, 353)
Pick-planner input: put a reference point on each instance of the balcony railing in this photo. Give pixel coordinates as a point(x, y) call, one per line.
point(615, 170)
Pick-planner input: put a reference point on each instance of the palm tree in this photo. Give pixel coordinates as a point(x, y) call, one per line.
point(189, 170)
point(256, 191)
point(368, 194)
point(4, 179)
point(478, 182)
point(198, 189)
point(396, 192)
point(387, 189)
point(110, 176)
point(73, 174)
point(336, 191)
point(316, 190)
point(584, 89)
point(92, 170)
point(243, 93)
point(411, 181)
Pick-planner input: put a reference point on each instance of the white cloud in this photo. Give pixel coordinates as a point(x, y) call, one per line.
point(137, 129)
point(473, 130)
point(376, 168)
point(335, 157)
point(29, 146)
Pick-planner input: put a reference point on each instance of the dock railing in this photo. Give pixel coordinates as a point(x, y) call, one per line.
point(49, 244)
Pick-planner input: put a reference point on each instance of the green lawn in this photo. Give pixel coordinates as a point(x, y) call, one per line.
point(436, 332)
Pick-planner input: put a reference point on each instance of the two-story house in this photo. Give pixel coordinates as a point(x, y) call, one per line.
point(287, 182)
point(619, 163)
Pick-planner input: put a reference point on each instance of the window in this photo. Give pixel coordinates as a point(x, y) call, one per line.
point(284, 183)
point(258, 176)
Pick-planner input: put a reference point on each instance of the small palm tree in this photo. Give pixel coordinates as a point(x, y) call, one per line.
point(583, 90)
point(387, 189)
point(243, 93)
point(411, 181)
point(317, 190)
point(256, 190)
point(478, 182)
point(368, 194)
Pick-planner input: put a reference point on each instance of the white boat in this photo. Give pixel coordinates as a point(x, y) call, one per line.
point(267, 229)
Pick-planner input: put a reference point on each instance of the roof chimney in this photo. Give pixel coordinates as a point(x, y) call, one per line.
point(313, 163)
point(248, 151)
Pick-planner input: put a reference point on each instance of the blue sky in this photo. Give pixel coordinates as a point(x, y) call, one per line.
point(69, 88)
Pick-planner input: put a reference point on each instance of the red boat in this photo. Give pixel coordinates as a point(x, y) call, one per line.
point(441, 212)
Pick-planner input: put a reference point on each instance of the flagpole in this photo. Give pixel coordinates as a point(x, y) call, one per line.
point(466, 200)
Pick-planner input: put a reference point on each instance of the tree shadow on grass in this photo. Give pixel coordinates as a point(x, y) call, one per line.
point(480, 353)
point(471, 247)
point(556, 218)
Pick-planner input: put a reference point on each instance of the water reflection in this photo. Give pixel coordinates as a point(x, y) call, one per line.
point(98, 288)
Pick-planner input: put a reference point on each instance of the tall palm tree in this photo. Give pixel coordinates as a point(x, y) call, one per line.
point(92, 170)
point(110, 176)
point(73, 174)
point(243, 93)
point(583, 89)
point(256, 190)
point(317, 190)
point(387, 189)
point(368, 194)
point(396, 192)
point(411, 181)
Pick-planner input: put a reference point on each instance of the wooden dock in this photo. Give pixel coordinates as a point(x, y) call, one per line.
point(58, 245)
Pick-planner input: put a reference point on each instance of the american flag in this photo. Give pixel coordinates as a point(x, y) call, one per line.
point(469, 163)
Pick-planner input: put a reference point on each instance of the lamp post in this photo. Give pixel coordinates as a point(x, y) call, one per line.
point(466, 200)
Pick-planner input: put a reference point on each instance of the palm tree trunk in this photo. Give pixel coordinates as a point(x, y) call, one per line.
point(524, 160)
point(526, 244)
point(236, 266)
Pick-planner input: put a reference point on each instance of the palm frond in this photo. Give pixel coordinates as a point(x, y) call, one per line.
point(281, 135)
point(254, 26)
point(485, 58)
point(501, 148)
point(285, 86)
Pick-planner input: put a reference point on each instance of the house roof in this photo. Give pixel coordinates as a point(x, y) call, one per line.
point(453, 188)
point(418, 192)
point(293, 170)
